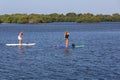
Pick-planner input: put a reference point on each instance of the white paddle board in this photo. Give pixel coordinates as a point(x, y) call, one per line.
point(23, 44)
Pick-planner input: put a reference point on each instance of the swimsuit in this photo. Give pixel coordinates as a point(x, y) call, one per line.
point(19, 38)
point(66, 36)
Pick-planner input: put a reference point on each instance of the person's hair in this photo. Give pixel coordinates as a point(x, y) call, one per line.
point(21, 33)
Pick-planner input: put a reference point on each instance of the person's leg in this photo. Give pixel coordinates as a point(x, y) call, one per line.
point(66, 42)
point(20, 41)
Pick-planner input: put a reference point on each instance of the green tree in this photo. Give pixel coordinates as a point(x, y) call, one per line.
point(116, 17)
point(88, 18)
point(69, 17)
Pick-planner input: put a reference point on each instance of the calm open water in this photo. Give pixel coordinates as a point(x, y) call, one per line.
point(98, 60)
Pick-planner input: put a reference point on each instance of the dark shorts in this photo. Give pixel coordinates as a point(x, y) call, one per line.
point(66, 38)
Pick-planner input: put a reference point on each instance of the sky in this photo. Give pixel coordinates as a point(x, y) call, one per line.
point(59, 6)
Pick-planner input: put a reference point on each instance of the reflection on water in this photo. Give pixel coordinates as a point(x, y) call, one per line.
point(67, 51)
point(20, 55)
point(20, 49)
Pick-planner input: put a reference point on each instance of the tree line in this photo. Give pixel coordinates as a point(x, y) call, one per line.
point(69, 17)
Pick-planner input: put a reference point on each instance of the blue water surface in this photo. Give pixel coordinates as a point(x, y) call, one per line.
point(99, 59)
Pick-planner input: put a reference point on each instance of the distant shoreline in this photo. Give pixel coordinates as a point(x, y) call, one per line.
point(69, 17)
point(59, 23)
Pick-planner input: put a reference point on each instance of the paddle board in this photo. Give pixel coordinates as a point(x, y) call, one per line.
point(62, 47)
point(23, 44)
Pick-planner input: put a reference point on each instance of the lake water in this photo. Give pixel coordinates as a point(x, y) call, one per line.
point(98, 60)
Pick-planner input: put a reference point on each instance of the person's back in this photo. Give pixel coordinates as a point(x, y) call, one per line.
point(20, 37)
point(66, 36)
